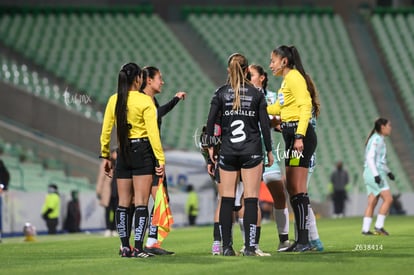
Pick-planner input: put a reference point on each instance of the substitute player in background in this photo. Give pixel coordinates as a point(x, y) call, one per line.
point(375, 175)
point(242, 108)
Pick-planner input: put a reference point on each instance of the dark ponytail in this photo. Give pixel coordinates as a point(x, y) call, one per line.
point(261, 72)
point(377, 127)
point(126, 78)
point(294, 61)
point(148, 72)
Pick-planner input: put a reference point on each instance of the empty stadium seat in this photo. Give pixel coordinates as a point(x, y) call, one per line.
point(88, 49)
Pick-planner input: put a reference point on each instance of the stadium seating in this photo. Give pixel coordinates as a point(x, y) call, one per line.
point(347, 108)
point(33, 177)
point(30, 173)
point(393, 31)
point(39, 84)
point(88, 48)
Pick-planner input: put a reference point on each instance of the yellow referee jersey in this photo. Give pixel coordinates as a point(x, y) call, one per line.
point(142, 116)
point(294, 101)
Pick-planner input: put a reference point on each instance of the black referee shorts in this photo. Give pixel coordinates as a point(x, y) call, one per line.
point(141, 162)
point(294, 158)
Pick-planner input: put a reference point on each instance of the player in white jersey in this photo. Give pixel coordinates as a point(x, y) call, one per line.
point(375, 177)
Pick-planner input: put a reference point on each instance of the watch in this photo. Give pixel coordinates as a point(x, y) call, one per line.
point(298, 136)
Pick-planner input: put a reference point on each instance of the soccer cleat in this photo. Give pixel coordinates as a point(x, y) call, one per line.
point(157, 250)
point(316, 245)
point(381, 231)
point(247, 252)
point(283, 246)
point(297, 247)
point(228, 251)
point(367, 233)
point(302, 247)
point(259, 252)
point(289, 248)
point(141, 254)
point(242, 249)
point(126, 252)
point(216, 248)
point(120, 249)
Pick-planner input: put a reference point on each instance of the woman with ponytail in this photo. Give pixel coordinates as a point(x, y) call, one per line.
point(297, 100)
point(152, 83)
point(140, 154)
point(375, 177)
point(243, 110)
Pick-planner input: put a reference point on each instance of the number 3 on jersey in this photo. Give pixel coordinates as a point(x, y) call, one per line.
point(238, 134)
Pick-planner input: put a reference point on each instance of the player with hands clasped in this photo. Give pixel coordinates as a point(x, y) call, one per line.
point(375, 175)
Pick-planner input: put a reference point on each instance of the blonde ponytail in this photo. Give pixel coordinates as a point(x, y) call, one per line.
point(237, 64)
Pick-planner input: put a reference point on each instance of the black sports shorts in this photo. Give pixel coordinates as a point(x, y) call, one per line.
point(141, 162)
point(294, 158)
point(235, 163)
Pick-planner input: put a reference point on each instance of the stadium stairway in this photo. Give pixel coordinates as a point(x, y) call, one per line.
point(382, 89)
point(201, 53)
point(54, 83)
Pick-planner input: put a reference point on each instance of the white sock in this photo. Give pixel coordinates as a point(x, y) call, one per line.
point(380, 221)
point(151, 241)
point(366, 224)
point(313, 230)
point(282, 221)
point(241, 224)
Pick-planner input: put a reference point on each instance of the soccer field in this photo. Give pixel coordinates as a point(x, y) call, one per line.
point(346, 252)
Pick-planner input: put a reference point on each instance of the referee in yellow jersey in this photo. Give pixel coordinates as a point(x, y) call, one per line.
point(296, 97)
point(140, 150)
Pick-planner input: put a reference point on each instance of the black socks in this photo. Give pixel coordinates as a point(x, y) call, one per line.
point(283, 237)
point(141, 222)
point(300, 205)
point(250, 221)
point(226, 220)
point(122, 219)
point(216, 232)
point(153, 230)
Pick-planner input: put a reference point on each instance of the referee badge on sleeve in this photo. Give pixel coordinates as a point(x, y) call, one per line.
point(281, 98)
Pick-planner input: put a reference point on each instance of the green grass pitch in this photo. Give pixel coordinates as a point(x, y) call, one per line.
point(346, 252)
